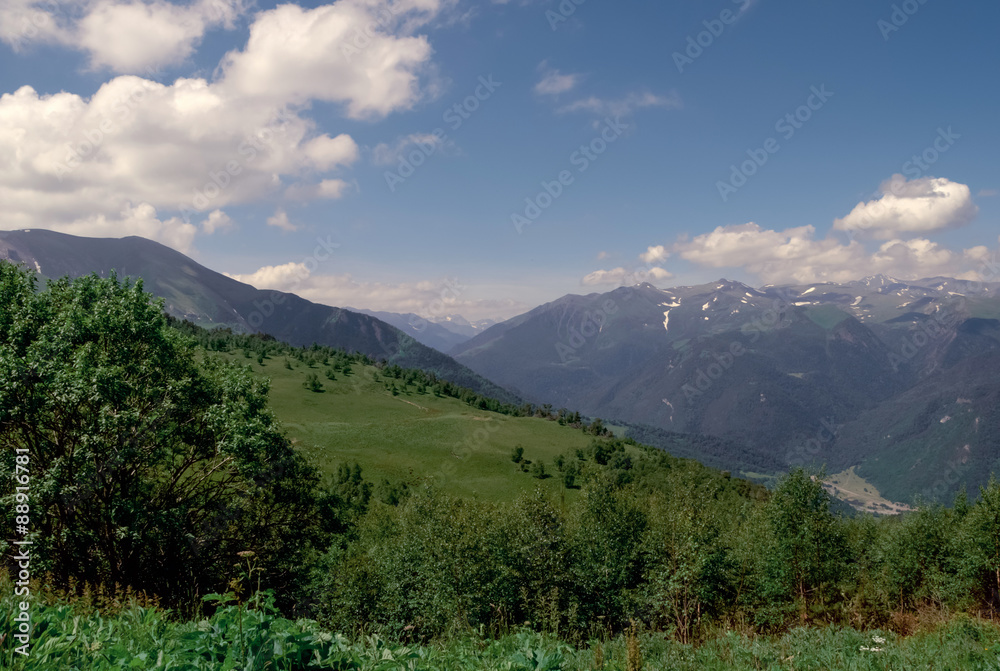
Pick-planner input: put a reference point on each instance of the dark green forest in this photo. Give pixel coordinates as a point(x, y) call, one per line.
point(156, 468)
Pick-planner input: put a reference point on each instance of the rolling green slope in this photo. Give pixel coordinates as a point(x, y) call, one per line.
point(412, 438)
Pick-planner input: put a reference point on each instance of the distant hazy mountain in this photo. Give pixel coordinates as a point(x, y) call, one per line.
point(462, 326)
point(771, 369)
point(437, 335)
point(192, 291)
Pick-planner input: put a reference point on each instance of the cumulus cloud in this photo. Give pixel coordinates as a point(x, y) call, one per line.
point(654, 254)
point(796, 255)
point(622, 106)
point(139, 157)
point(217, 221)
point(554, 82)
point(132, 36)
point(280, 220)
point(125, 37)
point(625, 277)
point(344, 53)
point(429, 298)
point(25, 22)
point(285, 277)
point(917, 206)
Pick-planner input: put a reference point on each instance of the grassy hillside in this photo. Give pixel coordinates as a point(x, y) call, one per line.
point(413, 437)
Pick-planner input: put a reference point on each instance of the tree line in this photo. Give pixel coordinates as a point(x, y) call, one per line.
point(155, 467)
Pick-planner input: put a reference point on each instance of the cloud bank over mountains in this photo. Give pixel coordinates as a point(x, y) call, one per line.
point(904, 212)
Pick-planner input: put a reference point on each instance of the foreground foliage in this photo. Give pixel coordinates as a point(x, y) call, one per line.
point(253, 637)
point(157, 466)
point(145, 466)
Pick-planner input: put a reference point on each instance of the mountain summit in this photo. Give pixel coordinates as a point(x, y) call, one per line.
point(200, 295)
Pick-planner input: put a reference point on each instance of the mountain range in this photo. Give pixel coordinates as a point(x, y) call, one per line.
point(443, 334)
point(896, 380)
point(193, 292)
point(899, 379)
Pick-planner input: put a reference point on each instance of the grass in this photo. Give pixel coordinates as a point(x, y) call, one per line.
point(413, 437)
point(255, 637)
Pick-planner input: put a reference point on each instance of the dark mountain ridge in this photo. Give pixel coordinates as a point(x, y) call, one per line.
point(767, 370)
point(200, 295)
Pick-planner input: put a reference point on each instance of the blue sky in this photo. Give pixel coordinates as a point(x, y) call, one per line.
point(134, 107)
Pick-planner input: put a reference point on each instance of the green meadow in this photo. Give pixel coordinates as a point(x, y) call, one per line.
point(413, 437)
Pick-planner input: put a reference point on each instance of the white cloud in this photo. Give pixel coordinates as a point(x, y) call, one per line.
point(141, 220)
point(280, 220)
point(25, 22)
point(217, 221)
point(987, 193)
point(326, 153)
point(328, 189)
point(286, 277)
point(132, 36)
point(126, 37)
point(654, 254)
point(795, 255)
point(391, 154)
point(342, 53)
point(177, 152)
point(918, 206)
point(625, 277)
point(427, 298)
point(554, 82)
point(624, 106)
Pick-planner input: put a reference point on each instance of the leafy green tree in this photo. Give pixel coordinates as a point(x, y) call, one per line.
point(981, 542)
point(149, 467)
point(806, 549)
point(685, 559)
point(312, 383)
point(607, 557)
point(570, 473)
point(517, 454)
point(921, 560)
